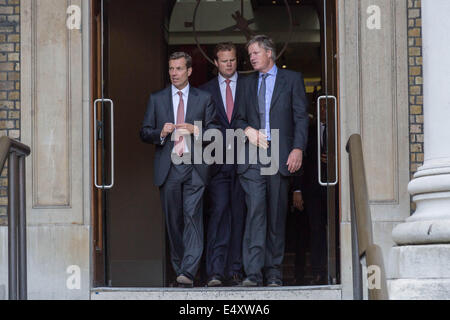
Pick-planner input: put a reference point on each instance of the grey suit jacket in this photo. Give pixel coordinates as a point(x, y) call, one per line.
point(288, 113)
point(159, 112)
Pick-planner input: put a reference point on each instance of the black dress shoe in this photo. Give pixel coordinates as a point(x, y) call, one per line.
point(274, 282)
point(250, 282)
point(184, 281)
point(235, 281)
point(215, 281)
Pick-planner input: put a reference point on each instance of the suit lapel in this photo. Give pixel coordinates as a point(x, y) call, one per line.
point(218, 94)
point(254, 91)
point(169, 108)
point(236, 102)
point(279, 84)
point(192, 102)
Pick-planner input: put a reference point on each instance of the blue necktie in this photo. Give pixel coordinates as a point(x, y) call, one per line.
point(262, 101)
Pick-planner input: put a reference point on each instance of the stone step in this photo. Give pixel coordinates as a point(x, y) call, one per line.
point(262, 293)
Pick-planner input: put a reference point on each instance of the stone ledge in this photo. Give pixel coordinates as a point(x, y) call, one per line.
point(285, 293)
point(419, 289)
point(420, 262)
point(425, 232)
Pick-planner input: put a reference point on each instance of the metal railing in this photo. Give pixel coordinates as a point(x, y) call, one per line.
point(361, 225)
point(16, 153)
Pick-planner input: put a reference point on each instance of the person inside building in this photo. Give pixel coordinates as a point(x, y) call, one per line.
point(169, 125)
point(275, 99)
point(310, 198)
point(226, 199)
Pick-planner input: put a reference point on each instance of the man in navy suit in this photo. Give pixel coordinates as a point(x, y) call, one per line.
point(169, 124)
point(226, 197)
point(275, 99)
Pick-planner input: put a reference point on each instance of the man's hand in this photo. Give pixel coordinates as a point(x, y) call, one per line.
point(186, 129)
point(298, 200)
point(168, 129)
point(256, 138)
point(295, 160)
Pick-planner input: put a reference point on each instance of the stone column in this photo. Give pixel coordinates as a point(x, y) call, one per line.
point(420, 263)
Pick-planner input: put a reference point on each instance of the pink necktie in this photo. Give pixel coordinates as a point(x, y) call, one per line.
point(179, 144)
point(230, 102)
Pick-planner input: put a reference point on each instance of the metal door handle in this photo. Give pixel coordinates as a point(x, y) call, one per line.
point(326, 184)
point(112, 144)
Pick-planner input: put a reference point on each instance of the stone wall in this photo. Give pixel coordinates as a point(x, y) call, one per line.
point(9, 83)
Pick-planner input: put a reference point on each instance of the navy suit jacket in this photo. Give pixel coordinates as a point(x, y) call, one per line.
point(288, 114)
point(214, 89)
point(200, 107)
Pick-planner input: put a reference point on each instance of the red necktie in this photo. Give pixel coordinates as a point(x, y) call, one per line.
point(179, 144)
point(230, 102)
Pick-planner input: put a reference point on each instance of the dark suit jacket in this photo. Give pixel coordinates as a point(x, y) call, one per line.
point(159, 112)
point(308, 180)
point(288, 113)
point(214, 89)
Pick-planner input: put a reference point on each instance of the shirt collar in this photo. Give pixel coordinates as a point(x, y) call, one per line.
point(185, 91)
point(233, 78)
point(272, 72)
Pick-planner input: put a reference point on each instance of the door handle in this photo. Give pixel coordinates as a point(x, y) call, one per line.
point(110, 186)
point(334, 183)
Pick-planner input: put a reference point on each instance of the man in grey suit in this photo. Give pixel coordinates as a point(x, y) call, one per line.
point(275, 99)
point(169, 125)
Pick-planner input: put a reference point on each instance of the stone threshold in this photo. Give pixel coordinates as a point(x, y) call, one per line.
point(333, 292)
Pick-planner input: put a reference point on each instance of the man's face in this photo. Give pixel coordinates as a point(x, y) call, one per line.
point(260, 58)
point(179, 73)
point(226, 63)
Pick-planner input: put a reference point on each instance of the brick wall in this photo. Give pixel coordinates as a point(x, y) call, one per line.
point(9, 83)
point(415, 86)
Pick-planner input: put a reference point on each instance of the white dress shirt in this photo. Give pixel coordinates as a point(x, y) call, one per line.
point(223, 88)
point(175, 103)
point(176, 100)
point(270, 87)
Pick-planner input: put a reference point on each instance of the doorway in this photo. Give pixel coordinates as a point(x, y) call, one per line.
point(130, 45)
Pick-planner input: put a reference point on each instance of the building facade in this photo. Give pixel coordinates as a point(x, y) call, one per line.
point(49, 75)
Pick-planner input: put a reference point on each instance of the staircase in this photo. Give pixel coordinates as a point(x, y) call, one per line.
point(262, 293)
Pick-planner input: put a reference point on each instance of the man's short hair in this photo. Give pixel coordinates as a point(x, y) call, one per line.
point(179, 55)
point(264, 42)
point(225, 46)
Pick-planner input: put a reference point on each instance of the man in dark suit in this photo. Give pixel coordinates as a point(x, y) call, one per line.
point(275, 99)
point(226, 198)
point(309, 195)
point(172, 121)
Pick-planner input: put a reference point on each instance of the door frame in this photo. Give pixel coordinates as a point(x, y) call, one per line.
point(97, 253)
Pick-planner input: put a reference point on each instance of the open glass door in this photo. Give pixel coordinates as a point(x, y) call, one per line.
point(103, 152)
point(130, 62)
point(327, 135)
point(98, 151)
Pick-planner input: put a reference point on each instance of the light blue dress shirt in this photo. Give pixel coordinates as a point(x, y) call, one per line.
point(270, 86)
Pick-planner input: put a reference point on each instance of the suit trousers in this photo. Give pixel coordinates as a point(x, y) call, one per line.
point(226, 213)
point(183, 207)
point(254, 242)
point(277, 210)
point(264, 237)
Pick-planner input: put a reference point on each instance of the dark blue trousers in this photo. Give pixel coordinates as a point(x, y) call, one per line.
point(226, 219)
